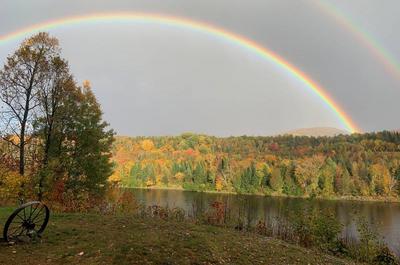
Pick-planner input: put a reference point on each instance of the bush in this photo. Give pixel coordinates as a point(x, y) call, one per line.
point(11, 185)
point(217, 214)
point(316, 228)
point(369, 244)
point(385, 257)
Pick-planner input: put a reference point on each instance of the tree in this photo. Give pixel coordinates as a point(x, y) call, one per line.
point(25, 73)
point(343, 182)
point(327, 177)
point(276, 180)
point(249, 179)
point(50, 103)
point(147, 145)
point(382, 182)
point(308, 171)
point(85, 142)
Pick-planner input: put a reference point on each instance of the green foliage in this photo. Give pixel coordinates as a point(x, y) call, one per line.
point(276, 181)
point(249, 180)
point(316, 228)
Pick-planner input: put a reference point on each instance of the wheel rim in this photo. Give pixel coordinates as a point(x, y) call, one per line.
point(27, 222)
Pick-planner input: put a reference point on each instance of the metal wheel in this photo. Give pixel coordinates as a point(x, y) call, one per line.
point(27, 222)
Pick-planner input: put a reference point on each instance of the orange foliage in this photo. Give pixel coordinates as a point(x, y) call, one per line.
point(217, 215)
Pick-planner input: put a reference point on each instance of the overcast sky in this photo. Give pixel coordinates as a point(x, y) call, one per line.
point(158, 80)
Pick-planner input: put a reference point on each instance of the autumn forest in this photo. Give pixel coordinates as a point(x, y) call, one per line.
point(356, 165)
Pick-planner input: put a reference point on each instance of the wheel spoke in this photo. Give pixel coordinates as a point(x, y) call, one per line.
point(40, 220)
point(15, 222)
point(16, 230)
point(32, 212)
point(33, 219)
point(24, 214)
point(20, 217)
point(23, 229)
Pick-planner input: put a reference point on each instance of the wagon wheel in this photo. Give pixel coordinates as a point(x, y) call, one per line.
point(27, 222)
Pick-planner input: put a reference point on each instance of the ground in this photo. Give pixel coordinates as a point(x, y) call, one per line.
point(102, 239)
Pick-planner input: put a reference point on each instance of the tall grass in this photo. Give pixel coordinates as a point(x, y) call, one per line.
point(309, 228)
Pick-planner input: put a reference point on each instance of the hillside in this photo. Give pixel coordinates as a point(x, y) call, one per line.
point(317, 132)
point(365, 165)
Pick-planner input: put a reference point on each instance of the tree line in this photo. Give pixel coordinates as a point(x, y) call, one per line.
point(346, 165)
point(52, 135)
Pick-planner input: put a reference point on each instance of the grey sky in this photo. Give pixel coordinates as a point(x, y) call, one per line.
point(157, 80)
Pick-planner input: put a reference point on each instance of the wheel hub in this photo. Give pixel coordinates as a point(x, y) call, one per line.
point(29, 225)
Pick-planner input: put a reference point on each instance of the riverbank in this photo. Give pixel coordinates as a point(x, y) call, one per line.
point(110, 239)
point(333, 198)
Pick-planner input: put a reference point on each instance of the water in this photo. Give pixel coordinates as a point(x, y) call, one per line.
point(383, 216)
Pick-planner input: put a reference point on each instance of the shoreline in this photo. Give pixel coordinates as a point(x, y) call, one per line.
point(343, 198)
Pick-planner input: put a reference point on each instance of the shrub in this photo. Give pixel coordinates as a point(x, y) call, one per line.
point(217, 214)
point(316, 228)
point(11, 185)
point(385, 257)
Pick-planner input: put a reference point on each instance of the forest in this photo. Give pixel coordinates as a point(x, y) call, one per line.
point(357, 165)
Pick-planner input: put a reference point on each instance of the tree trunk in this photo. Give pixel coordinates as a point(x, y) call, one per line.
point(22, 155)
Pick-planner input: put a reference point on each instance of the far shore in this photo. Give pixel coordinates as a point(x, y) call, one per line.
point(335, 198)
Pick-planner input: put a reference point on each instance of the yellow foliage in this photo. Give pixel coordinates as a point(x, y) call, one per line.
point(147, 145)
point(122, 171)
point(10, 184)
point(286, 162)
point(179, 176)
point(218, 183)
point(115, 177)
point(382, 180)
point(260, 165)
point(158, 179)
point(149, 183)
point(167, 148)
point(86, 84)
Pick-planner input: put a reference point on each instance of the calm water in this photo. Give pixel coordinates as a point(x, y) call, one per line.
point(383, 216)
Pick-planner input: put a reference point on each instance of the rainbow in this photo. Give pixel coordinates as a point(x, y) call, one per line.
point(364, 37)
point(201, 27)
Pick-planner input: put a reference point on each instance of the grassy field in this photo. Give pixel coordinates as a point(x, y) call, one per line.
point(96, 239)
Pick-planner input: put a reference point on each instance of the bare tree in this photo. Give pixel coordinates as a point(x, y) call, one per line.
point(22, 79)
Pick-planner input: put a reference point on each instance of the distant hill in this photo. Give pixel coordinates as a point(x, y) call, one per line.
point(317, 131)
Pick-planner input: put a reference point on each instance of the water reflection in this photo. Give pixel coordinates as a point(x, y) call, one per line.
point(383, 216)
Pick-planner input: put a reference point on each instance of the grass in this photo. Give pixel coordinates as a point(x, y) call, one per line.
point(97, 239)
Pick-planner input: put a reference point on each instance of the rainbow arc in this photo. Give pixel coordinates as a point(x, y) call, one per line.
point(212, 30)
point(362, 36)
